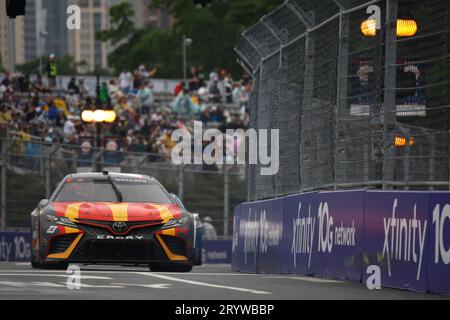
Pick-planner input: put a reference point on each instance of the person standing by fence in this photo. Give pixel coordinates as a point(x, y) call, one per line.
point(52, 71)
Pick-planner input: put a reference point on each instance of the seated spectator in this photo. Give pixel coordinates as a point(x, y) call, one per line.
point(205, 116)
point(38, 84)
point(179, 88)
point(145, 96)
point(72, 86)
point(214, 93)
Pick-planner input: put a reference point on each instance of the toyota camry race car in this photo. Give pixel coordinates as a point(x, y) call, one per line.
point(97, 218)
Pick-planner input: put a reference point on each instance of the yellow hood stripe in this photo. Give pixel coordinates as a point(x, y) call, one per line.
point(164, 212)
point(119, 211)
point(72, 211)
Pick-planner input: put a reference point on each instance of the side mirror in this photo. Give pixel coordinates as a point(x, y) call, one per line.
point(43, 203)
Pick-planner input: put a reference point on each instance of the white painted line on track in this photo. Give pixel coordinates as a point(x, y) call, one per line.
point(52, 275)
point(210, 274)
point(152, 286)
point(85, 285)
point(204, 284)
point(307, 279)
point(28, 284)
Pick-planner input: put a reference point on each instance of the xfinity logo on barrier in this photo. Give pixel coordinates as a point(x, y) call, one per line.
point(402, 238)
point(342, 236)
point(270, 236)
point(260, 232)
point(17, 249)
point(235, 235)
point(251, 235)
point(439, 218)
point(303, 235)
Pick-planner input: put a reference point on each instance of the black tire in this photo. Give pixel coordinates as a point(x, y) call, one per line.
point(170, 268)
point(37, 263)
point(198, 259)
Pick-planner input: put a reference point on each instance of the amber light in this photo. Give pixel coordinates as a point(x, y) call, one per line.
point(405, 28)
point(98, 116)
point(401, 141)
point(369, 28)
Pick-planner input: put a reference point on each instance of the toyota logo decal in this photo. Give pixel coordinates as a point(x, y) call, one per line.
point(119, 226)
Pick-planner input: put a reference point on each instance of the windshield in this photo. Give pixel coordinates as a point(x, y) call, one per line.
point(101, 190)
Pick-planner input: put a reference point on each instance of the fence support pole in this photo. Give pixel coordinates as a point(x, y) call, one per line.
point(181, 182)
point(308, 98)
point(389, 106)
point(47, 170)
point(226, 200)
point(344, 29)
point(4, 167)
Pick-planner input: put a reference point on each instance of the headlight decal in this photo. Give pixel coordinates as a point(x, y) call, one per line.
point(62, 221)
point(175, 223)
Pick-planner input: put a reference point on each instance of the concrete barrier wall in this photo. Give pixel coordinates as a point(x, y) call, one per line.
point(340, 234)
point(15, 246)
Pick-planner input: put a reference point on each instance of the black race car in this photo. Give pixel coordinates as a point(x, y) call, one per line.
point(114, 218)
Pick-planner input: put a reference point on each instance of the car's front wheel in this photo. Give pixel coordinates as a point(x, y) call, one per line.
point(37, 263)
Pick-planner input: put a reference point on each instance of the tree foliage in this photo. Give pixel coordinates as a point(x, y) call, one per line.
point(215, 31)
point(121, 22)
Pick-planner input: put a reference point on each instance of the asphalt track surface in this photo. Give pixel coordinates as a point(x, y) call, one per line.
point(210, 282)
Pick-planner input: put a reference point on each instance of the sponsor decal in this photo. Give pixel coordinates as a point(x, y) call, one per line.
point(251, 236)
point(52, 229)
point(270, 235)
point(404, 239)
point(303, 235)
point(440, 217)
point(15, 247)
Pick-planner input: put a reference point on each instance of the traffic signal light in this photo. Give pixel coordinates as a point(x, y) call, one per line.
point(203, 3)
point(15, 8)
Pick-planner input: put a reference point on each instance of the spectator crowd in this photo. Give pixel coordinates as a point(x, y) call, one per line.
point(35, 108)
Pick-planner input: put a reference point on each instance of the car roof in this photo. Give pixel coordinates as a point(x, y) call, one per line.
point(104, 174)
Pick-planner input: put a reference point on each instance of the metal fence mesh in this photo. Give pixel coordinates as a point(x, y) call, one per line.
point(356, 106)
point(33, 169)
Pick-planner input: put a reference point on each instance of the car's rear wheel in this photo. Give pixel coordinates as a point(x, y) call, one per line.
point(170, 268)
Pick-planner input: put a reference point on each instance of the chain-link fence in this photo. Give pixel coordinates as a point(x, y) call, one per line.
point(31, 170)
point(359, 91)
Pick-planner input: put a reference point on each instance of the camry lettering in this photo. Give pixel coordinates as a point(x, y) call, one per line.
point(120, 238)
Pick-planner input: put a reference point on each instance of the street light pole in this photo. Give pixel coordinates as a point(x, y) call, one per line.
point(184, 60)
point(186, 42)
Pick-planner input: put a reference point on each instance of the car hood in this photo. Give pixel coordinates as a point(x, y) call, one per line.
point(111, 211)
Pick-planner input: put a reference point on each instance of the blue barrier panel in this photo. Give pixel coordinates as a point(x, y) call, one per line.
point(439, 254)
point(234, 245)
point(216, 251)
point(15, 246)
point(340, 219)
point(247, 247)
point(396, 238)
point(299, 234)
point(270, 236)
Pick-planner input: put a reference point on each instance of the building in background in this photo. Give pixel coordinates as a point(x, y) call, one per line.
point(43, 31)
point(145, 16)
point(83, 45)
point(12, 40)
